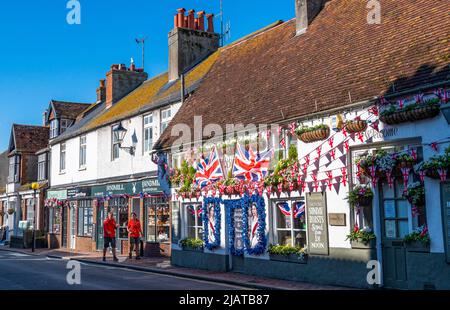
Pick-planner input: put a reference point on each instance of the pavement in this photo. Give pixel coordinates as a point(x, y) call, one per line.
point(160, 268)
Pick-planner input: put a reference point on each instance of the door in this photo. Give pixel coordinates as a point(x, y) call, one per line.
point(72, 228)
point(100, 218)
point(445, 189)
point(394, 227)
point(64, 227)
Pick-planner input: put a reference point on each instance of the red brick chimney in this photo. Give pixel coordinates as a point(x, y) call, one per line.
point(120, 81)
point(201, 20)
point(181, 17)
point(101, 91)
point(191, 19)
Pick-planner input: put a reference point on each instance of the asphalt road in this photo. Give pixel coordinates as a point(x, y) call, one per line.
point(28, 272)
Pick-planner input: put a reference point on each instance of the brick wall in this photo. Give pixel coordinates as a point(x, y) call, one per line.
point(120, 82)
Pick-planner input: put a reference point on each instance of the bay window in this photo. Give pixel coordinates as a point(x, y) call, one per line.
point(289, 222)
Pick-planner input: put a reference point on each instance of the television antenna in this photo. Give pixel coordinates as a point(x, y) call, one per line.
point(225, 29)
point(141, 41)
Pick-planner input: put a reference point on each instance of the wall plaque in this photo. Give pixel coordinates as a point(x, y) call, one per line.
point(337, 219)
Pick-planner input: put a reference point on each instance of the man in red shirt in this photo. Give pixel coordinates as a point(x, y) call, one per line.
point(135, 231)
point(109, 235)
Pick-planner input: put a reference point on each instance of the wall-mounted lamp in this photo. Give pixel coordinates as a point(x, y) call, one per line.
point(119, 133)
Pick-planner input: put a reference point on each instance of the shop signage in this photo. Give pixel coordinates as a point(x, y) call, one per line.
point(79, 192)
point(317, 223)
point(149, 186)
point(337, 219)
point(58, 194)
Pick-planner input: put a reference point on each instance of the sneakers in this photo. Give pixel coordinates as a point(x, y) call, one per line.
point(115, 259)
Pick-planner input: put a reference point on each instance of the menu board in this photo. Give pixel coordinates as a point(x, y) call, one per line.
point(176, 222)
point(238, 228)
point(316, 211)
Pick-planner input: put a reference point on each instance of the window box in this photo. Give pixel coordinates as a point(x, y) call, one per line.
point(417, 246)
point(316, 133)
point(291, 258)
point(416, 114)
point(355, 126)
point(358, 244)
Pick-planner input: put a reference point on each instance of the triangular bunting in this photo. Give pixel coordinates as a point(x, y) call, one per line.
point(337, 185)
point(343, 159)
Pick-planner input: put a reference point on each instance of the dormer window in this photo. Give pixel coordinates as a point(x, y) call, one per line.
point(64, 124)
point(14, 169)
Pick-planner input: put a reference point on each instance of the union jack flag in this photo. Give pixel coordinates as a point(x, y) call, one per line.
point(248, 165)
point(299, 208)
point(192, 210)
point(209, 169)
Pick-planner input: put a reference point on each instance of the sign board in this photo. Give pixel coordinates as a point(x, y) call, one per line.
point(337, 219)
point(78, 192)
point(58, 194)
point(176, 222)
point(238, 229)
point(316, 212)
point(149, 186)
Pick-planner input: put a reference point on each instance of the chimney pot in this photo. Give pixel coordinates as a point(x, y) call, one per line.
point(201, 20)
point(191, 19)
point(175, 21)
point(196, 24)
point(210, 18)
point(181, 17)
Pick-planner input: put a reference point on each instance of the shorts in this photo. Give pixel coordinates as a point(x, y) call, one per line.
point(109, 241)
point(135, 240)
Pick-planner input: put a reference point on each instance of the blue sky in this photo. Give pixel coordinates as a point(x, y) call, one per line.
point(45, 58)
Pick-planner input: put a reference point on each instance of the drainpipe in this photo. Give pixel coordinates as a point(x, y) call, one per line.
point(183, 92)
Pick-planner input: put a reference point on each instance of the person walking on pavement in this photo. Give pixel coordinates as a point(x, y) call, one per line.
point(109, 234)
point(135, 231)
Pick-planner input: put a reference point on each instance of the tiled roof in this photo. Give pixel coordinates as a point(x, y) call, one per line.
point(68, 110)
point(30, 139)
point(151, 92)
point(341, 59)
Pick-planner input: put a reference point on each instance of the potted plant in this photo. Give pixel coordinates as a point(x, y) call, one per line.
point(288, 253)
point(415, 194)
point(191, 244)
point(362, 238)
point(11, 211)
point(418, 240)
point(356, 125)
point(312, 134)
point(411, 112)
point(360, 196)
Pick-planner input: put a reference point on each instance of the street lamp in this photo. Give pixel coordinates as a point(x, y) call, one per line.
point(34, 187)
point(119, 133)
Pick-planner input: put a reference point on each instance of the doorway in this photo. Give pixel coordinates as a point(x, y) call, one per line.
point(100, 218)
point(394, 227)
point(72, 226)
point(64, 226)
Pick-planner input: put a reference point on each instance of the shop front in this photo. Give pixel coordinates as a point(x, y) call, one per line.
point(54, 219)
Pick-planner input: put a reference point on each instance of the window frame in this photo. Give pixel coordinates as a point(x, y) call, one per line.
point(85, 218)
point(14, 168)
point(115, 145)
point(164, 121)
point(198, 223)
point(54, 128)
point(292, 231)
point(147, 147)
point(82, 154)
point(66, 122)
point(62, 157)
point(42, 167)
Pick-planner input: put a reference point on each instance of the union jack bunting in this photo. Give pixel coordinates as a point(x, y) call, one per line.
point(209, 169)
point(248, 165)
point(299, 208)
point(192, 210)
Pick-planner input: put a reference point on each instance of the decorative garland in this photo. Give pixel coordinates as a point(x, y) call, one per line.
point(55, 203)
point(260, 248)
point(230, 206)
point(216, 205)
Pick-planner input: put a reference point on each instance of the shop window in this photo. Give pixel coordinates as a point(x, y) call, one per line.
point(119, 206)
point(289, 222)
point(30, 212)
point(14, 169)
point(194, 220)
point(85, 218)
point(148, 132)
point(157, 219)
point(54, 217)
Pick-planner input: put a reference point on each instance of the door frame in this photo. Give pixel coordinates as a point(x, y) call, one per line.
point(72, 229)
point(99, 240)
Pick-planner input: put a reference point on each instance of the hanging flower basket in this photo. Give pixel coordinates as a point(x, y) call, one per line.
point(360, 196)
point(418, 112)
point(415, 194)
point(312, 134)
point(355, 126)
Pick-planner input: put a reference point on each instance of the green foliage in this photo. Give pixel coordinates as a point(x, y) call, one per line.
point(292, 153)
point(191, 243)
point(285, 250)
point(304, 129)
point(361, 235)
point(394, 108)
point(358, 193)
point(418, 236)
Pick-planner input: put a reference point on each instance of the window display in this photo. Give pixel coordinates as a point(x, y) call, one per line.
point(158, 219)
point(289, 222)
